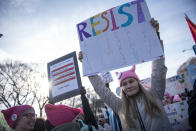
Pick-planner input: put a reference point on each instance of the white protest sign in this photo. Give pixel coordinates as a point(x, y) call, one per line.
point(174, 85)
point(118, 37)
point(64, 78)
point(178, 115)
point(106, 77)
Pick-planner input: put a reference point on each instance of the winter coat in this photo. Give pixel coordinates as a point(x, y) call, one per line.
point(158, 79)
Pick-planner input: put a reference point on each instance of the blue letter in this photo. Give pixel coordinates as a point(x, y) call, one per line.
point(130, 17)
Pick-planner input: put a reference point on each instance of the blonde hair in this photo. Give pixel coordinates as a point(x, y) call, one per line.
point(129, 105)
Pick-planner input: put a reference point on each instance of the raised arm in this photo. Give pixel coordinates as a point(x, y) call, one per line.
point(105, 94)
point(159, 70)
point(158, 78)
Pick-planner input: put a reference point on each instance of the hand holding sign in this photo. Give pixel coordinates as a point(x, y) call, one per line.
point(80, 56)
point(64, 78)
point(155, 24)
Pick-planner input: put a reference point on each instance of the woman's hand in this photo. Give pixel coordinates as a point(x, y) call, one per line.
point(155, 24)
point(80, 56)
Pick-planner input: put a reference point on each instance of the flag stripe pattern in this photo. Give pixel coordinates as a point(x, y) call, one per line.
point(63, 74)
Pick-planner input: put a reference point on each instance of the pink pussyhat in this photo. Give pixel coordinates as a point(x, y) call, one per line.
point(177, 98)
point(12, 114)
point(81, 111)
point(60, 114)
point(126, 74)
point(166, 94)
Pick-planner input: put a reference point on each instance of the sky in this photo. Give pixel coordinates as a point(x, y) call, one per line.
point(40, 31)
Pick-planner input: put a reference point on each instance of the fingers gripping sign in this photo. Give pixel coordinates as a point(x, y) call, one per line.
point(155, 24)
point(80, 56)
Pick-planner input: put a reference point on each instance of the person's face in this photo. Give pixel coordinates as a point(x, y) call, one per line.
point(130, 86)
point(27, 120)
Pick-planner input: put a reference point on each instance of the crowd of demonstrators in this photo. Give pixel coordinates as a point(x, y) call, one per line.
point(138, 109)
point(59, 117)
point(167, 99)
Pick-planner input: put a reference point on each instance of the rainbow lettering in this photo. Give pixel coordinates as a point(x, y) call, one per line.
point(108, 18)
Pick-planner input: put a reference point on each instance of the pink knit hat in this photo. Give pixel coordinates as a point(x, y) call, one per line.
point(81, 111)
point(166, 94)
point(177, 98)
point(126, 74)
point(14, 113)
point(60, 114)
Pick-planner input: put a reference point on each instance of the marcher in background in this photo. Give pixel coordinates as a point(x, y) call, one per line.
point(186, 95)
point(192, 108)
point(20, 118)
point(63, 116)
point(176, 98)
point(113, 122)
point(40, 125)
point(167, 99)
point(89, 118)
point(138, 108)
point(103, 125)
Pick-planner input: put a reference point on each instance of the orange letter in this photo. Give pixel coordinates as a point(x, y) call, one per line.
point(102, 15)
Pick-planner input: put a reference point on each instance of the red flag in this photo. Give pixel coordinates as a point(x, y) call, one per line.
point(192, 27)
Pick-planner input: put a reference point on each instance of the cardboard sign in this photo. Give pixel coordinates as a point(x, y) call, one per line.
point(118, 37)
point(64, 78)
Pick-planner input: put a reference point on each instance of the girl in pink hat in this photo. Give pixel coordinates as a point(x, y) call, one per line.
point(20, 118)
point(138, 109)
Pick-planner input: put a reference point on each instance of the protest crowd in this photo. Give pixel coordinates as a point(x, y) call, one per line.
point(137, 109)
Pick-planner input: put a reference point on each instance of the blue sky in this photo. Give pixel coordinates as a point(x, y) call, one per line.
point(41, 31)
